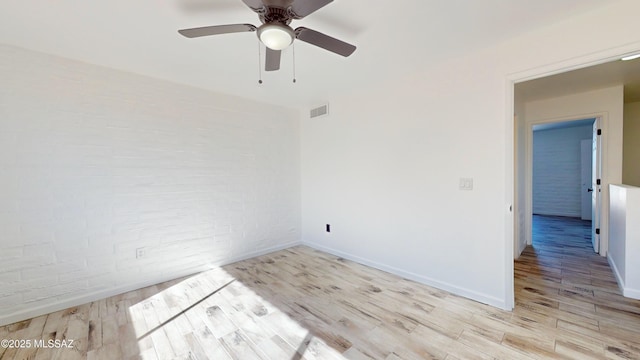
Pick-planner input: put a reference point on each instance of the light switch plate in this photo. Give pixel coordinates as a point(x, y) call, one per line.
point(466, 183)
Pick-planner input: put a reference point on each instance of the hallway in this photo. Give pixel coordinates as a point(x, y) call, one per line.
point(563, 281)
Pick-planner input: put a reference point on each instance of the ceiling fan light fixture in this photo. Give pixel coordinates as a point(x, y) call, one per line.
point(276, 36)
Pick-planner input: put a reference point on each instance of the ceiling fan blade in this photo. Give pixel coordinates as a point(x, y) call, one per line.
point(216, 30)
point(255, 5)
point(324, 41)
point(272, 62)
point(302, 8)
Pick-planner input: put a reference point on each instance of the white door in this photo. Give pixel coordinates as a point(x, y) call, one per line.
point(596, 186)
point(586, 164)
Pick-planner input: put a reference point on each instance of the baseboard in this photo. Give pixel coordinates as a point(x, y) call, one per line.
point(102, 294)
point(257, 253)
point(616, 273)
point(626, 292)
point(631, 293)
point(521, 246)
point(470, 294)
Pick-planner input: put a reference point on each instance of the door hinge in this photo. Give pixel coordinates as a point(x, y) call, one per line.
point(598, 182)
point(597, 231)
point(599, 131)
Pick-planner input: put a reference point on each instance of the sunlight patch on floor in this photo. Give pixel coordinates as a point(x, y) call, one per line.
point(213, 315)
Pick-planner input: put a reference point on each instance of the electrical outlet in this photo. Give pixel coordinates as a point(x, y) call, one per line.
point(141, 252)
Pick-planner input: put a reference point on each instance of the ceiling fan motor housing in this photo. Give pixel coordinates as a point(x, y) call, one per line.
point(276, 15)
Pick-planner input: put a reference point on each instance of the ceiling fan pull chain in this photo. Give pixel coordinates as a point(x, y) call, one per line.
point(259, 64)
point(293, 50)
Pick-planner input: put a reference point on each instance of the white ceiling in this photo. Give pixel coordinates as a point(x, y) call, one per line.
point(393, 37)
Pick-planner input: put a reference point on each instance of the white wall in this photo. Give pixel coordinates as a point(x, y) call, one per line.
point(384, 168)
point(607, 103)
point(95, 163)
point(631, 157)
point(625, 238)
point(557, 171)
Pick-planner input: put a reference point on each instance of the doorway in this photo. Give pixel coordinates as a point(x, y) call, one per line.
point(584, 87)
point(565, 180)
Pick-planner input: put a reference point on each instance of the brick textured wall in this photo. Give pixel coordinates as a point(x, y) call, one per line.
point(556, 171)
point(95, 163)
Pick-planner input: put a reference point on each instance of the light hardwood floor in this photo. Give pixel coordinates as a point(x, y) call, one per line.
point(300, 303)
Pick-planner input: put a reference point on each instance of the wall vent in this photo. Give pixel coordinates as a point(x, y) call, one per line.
point(319, 111)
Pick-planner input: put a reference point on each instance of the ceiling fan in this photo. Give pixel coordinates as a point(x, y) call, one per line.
point(275, 32)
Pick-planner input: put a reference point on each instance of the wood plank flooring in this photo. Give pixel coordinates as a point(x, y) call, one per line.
point(301, 303)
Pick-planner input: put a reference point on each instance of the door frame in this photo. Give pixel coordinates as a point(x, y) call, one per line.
point(512, 207)
point(597, 179)
point(600, 119)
